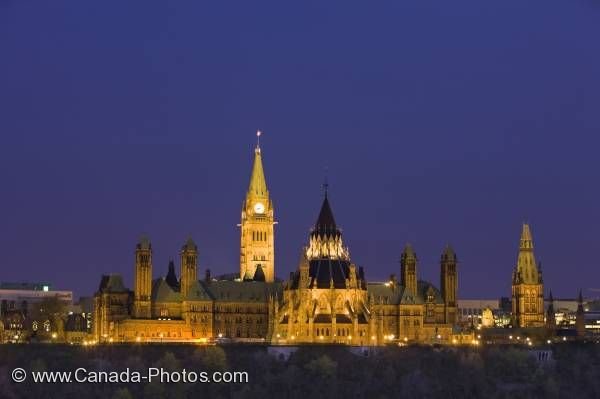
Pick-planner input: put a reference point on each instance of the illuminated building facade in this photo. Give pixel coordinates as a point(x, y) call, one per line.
point(527, 285)
point(327, 299)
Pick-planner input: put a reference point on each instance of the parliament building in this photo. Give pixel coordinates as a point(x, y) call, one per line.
point(327, 299)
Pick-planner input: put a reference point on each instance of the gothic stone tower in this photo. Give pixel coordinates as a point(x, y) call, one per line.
point(143, 279)
point(257, 250)
point(408, 270)
point(189, 266)
point(527, 286)
point(449, 284)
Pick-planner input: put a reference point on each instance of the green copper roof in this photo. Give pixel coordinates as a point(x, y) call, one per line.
point(237, 291)
point(394, 295)
point(112, 283)
point(162, 292)
point(258, 184)
point(198, 292)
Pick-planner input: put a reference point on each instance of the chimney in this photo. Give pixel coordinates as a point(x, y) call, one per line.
point(208, 278)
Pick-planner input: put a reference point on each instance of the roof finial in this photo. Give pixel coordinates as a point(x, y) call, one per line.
point(258, 133)
point(326, 182)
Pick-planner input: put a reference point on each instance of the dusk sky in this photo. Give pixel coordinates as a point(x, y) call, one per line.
point(438, 122)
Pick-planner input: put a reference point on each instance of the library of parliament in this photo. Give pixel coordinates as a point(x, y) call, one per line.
point(328, 299)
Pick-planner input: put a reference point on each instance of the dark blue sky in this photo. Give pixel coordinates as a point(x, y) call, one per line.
point(439, 122)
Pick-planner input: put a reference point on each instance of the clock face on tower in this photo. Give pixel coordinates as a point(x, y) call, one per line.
point(259, 208)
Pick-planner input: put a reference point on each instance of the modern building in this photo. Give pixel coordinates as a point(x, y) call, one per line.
point(18, 296)
point(326, 300)
point(485, 312)
point(18, 311)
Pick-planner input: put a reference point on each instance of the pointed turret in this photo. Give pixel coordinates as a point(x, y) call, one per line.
point(325, 224)
point(171, 278)
point(325, 238)
point(259, 275)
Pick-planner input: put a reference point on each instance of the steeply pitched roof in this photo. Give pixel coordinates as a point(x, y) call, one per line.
point(325, 221)
point(189, 245)
point(258, 183)
point(396, 294)
point(387, 294)
point(144, 243)
point(448, 254)
point(259, 274)
point(112, 283)
point(325, 224)
point(162, 292)
point(423, 287)
point(526, 270)
point(408, 253)
point(237, 291)
point(198, 292)
point(323, 272)
point(171, 277)
point(526, 238)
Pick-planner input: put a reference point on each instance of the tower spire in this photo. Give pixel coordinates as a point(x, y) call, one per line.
point(325, 224)
point(258, 184)
point(257, 232)
point(326, 183)
point(527, 285)
point(527, 266)
point(526, 238)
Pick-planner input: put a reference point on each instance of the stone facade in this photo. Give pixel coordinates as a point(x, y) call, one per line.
point(326, 300)
point(527, 286)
